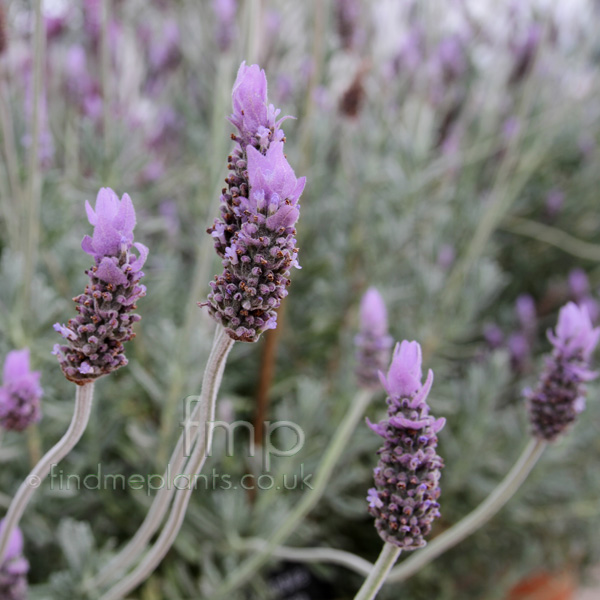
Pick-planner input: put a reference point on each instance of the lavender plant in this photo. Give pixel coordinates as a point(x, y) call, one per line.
point(442, 147)
point(559, 397)
point(95, 336)
point(255, 233)
point(255, 238)
point(20, 393)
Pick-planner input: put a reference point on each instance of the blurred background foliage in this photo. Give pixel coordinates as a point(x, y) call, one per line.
point(451, 151)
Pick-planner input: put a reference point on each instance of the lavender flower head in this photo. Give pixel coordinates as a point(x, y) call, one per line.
point(373, 343)
point(560, 393)
point(96, 336)
point(20, 393)
point(404, 501)
point(14, 568)
point(255, 234)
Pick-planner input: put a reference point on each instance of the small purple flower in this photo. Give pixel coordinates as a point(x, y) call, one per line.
point(404, 500)
point(14, 568)
point(20, 393)
point(95, 338)
point(579, 285)
point(554, 202)
point(373, 343)
point(446, 255)
point(527, 315)
point(520, 351)
point(165, 49)
point(560, 393)
point(255, 234)
point(225, 11)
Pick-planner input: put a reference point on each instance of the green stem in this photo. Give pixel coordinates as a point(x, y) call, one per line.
point(133, 549)
point(474, 520)
point(554, 237)
point(79, 421)
point(465, 527)
point(34, 191)
point(310, 555)
point(210, 388)
point(204, 258)
point(308, 501)
point(389, 555)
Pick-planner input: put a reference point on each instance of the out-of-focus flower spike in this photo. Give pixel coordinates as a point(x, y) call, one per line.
point(373, 343)
point(20, 393)
point(560, 393)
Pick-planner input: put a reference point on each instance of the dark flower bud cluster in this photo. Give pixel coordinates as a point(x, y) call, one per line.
point(404, 500)
point(96, 336)
point(255, 234)
point(559, 396)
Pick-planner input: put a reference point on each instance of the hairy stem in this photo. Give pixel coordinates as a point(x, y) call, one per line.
point(210, 387)
point(450, 538)
point(132, 550)
point(474, 520)
point(389, 555)
point(81, 416)
point(312, 555)
point(308, 501)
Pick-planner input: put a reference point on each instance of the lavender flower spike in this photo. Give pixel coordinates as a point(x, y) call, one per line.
point(255, 234)
point(404, 501)
point(373, 343)
point(20, 393)
point(560, 393)
point(14, 568)
point(95, 338)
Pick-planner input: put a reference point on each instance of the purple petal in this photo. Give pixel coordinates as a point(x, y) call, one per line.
point(109, 272)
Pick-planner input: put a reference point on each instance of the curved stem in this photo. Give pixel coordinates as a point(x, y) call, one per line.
point(210, 387)
point(474, 520)
point(81, 416)
point(465, 527)
point(389, 555)
point(555, 237)
point(132, 550)
point(310, 498)
point(312, 555)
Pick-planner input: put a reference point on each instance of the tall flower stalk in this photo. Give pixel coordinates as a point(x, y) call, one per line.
point(559, 396)
point(372, 349)
point(405, 499)
point(94, 345)
point(255, 234)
